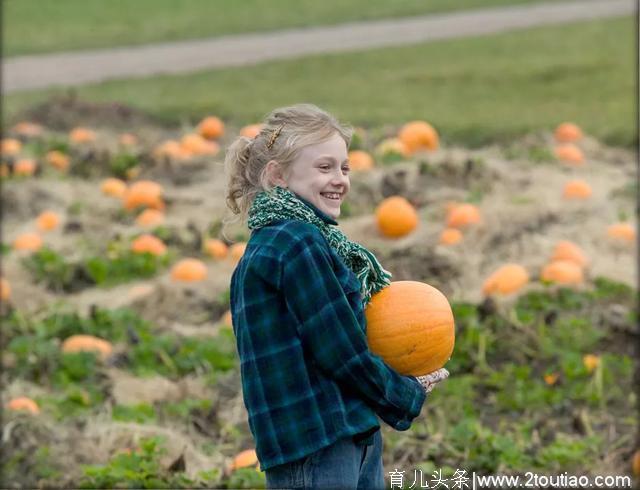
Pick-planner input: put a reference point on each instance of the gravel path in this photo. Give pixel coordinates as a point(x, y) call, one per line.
point(78, 68)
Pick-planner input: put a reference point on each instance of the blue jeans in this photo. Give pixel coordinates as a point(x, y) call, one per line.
point(342, 465)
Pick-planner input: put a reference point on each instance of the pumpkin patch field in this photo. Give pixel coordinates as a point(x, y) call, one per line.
point(119, 364)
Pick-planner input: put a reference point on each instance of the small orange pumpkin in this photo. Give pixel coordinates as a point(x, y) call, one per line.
point(82, 135)
point(143, 193)
point(244, 459)
point(450, 236)
point(577, 189)
point(551, 378)
point(419, 135)
point(410, 325)
point(26, 128)
point(169, 148)
point(195, 144)
point(113, 187)
point(562, 272)
point(189, 270)
point(58, 159)
point(5, 289)
point(150, 218)
point(236, 251)
point(216, 248)
point(211, 127)
point(570, 154)
point(251, 130)
point(635, 463)
point(47, 221)
point(128, 139)
point(507, 279)
point(566, 250)
point(25, 167)
point(148, 244)
point(87, 343)
point(392, 146)
point(24, 403)
point(396, 217)
point(568, 133)
point(360, 160)
point(28, 241)
point(591, 362)
point(623, 232)
point(227, 319)
point(463, 215)
point(10, 146)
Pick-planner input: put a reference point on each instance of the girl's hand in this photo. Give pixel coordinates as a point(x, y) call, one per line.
point(428, 381)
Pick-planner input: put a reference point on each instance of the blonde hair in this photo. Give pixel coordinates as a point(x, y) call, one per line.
point(285, 132)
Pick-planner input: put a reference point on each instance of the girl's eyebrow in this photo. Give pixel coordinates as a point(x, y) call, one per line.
point(327, 157)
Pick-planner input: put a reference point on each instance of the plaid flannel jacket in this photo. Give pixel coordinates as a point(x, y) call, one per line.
point(308, 377)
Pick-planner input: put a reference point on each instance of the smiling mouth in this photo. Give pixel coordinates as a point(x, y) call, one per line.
point(332, 196)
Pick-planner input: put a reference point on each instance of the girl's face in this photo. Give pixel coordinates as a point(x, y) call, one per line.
point(320, 175)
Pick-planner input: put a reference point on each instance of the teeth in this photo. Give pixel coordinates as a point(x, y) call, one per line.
point(331, 196)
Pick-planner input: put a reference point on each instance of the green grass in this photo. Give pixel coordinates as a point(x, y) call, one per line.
point(475, 91)
point(39, 26)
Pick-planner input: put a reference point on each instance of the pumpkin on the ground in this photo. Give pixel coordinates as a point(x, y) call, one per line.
point(30, 241)
point(216, 248)
point(25, 167)
point(148, 244)
point(113, 187)
point(189, 270)
point(463, 215)
point(143, 193)
point(360, 160)
point(450, 236)
point(396, 217)
point(23, 403)
point(211, 127)
point(251, 130)
point(577, 189)
point(566, 250)
point(47, 221)
point(87, 343)
point(419, 135)
point(150, 218)
point(569, 154)
point(5, 289)
point(58, 159)
point(623, 232)
point(410, 325)
point(568, 133)
point(562, 272)
point(507, 279)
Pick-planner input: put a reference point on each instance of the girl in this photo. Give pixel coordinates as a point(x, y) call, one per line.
point(311, 386)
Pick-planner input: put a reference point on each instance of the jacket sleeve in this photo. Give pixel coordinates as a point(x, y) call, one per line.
point(329, 330)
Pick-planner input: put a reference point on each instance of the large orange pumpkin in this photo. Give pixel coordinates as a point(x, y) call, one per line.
point(24, 166)
point(410, 325)
point(623, 232)
point(47, 221)
point(577, 189)
point(148, 244)
point(28, 241)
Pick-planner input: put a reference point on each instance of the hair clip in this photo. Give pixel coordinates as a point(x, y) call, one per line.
point(275, 134)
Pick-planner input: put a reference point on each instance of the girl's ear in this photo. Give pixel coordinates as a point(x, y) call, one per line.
point(275, 174)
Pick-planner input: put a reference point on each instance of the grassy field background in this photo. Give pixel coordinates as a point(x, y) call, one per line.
point(474, 90)
point(40, 26)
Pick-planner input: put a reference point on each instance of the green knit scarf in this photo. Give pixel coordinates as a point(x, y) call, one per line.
point(281, 203)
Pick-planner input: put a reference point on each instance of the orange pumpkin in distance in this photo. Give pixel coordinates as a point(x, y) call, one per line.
point(211, 127)
point(419, 135)
point(410, 325)
point(568, 133)
point(396, 217)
